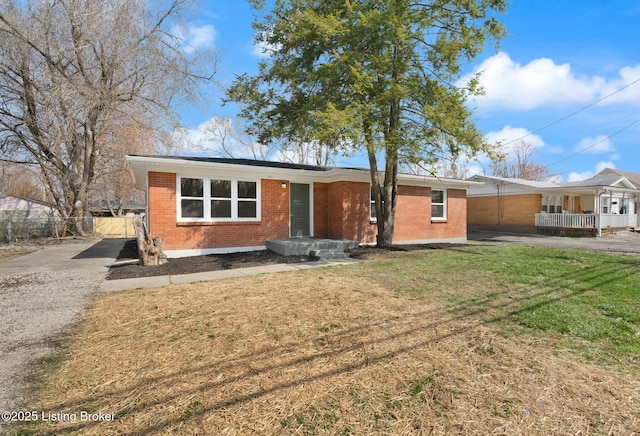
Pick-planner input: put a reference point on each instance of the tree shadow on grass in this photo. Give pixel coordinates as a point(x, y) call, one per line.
point(399, 337)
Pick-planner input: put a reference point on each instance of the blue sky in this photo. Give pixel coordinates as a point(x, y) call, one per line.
point(542, 85)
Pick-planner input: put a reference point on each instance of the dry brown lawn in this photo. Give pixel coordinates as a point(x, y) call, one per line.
point(322, 351)
point(9, 252)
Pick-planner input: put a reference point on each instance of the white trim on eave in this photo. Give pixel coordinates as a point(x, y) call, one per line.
point(139, 165)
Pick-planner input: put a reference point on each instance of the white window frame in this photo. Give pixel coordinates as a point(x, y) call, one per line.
point(444, 205)
point(186, 197)
point(605, 206)
point(624, 205)
point(555, 201)
point(207, 200)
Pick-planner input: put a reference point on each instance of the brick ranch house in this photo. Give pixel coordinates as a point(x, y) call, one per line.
point(609, 201)
point(218, 205)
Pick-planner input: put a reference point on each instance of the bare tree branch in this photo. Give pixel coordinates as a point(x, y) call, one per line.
point(71, 71)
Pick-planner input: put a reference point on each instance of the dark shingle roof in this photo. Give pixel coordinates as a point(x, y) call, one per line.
point(248, 162)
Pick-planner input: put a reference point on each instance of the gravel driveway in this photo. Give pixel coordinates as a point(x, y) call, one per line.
point(41, 295)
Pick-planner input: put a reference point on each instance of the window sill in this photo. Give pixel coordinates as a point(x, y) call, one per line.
point(438, 221)
point(215, 223)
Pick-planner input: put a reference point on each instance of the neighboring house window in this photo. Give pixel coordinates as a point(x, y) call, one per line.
point(438, 204)
point(624, 209)
point(552, 203)
point(203, 199)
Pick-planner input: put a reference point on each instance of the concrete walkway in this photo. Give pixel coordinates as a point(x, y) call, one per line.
point(618, 243)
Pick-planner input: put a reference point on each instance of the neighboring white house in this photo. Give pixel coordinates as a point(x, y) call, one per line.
point(23, 218)
point(608, 200)
point(11, 206)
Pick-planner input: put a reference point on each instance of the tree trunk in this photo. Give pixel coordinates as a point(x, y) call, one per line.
point(149, 250)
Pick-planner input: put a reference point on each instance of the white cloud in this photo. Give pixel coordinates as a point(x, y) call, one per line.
point(604, 165)
point(190, 140)
point(512, 137)
point(598, 144)
point(629, 79)
point(204, 137)
point(576, 177)
point(511, 85)
point(196, 37)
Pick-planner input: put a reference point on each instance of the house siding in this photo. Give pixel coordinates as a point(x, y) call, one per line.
point(207, 235)
point(348, 212)
point(340, 211)
point(413, 215)
point(320, 210)
point(507, 210)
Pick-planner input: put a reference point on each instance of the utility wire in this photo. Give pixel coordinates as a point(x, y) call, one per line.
point(577, 112)
point(595, 143)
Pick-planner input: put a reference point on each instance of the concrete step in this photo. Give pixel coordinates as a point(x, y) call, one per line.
point(304, 246)
point(326, 254)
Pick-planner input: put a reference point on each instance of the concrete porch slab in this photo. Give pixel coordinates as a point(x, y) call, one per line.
point(304, 246)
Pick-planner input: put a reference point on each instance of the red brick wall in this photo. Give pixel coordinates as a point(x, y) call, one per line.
point(413, 215)
point(348, 212)
point(341, 211)
point(274, 222)
point(320, 210)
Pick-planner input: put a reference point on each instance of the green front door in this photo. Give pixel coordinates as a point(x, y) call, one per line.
point(300, 206)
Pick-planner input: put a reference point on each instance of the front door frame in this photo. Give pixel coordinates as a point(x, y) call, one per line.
point(309, 212)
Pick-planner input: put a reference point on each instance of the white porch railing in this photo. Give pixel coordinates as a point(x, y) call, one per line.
point(566, 220)
point(618, 221)
point(585, 221)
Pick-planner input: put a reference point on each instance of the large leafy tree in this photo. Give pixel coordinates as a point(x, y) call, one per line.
point(70, 70)
point(383, 75)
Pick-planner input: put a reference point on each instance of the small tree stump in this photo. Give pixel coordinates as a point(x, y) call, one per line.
point(149, 250)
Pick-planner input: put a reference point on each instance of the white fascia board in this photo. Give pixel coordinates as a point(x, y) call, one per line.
point(491, 190)
point(435, 182)
point(140, 165)
point(589, 190)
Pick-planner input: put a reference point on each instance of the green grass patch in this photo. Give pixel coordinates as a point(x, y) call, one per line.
point(575, 295)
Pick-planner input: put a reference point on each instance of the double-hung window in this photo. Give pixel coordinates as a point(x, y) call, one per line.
point(213, 199)
point(438, 204)
point(192, 198)
point(552, 203)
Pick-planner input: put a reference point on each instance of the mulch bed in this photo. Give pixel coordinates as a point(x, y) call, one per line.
point(218, 262)
point(194, 264)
